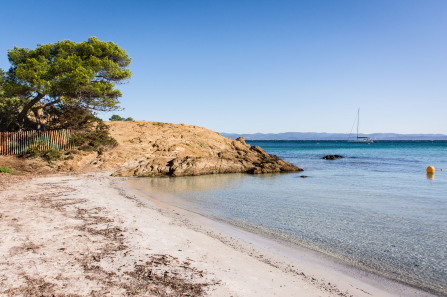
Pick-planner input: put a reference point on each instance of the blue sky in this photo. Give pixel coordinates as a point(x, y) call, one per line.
point(262, 66)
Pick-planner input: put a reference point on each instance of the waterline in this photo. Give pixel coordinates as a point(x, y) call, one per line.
point(374, 211)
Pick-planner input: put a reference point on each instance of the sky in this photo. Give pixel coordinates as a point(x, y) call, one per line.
point(242, 66)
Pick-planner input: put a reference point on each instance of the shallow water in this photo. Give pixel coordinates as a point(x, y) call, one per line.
point(377, 210)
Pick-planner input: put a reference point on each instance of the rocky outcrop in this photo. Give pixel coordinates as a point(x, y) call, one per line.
point(333, 157)
point(157, 149)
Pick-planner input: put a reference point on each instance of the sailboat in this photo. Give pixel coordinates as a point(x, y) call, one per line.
point(359, 138)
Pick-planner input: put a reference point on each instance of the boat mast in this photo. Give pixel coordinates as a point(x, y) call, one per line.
point(358, 121)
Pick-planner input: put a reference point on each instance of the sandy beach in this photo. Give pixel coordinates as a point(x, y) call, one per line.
point(89, 235)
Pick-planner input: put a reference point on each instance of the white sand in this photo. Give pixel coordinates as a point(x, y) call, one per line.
point(88, 235)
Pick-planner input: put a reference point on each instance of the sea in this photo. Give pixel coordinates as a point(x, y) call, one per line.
point(377, 209)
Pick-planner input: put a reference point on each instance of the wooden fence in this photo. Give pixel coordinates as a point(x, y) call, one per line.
point(16, 143)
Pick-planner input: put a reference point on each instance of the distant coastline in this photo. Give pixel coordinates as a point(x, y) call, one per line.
point(333, 136)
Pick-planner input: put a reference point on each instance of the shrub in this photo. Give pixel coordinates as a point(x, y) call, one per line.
point(116, 117)
point(5, 170)
point(32, 152)
point(97, 139)
point(51, 155)
point(48, 155)
point(78, 139)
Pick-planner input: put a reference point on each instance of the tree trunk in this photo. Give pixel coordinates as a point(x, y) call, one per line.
point(38, 111)
point(26, 108)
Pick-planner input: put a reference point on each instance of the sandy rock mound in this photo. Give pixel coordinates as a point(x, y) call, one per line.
point(155, 149)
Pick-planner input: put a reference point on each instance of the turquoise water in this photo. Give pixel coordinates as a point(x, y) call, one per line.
point(377, 210)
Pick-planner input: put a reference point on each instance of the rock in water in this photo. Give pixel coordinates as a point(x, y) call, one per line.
point(332, 157)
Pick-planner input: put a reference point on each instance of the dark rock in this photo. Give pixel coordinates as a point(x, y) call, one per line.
point(333, 157)
point(303, 176)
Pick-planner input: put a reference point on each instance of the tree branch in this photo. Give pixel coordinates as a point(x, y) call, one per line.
point(52, 103)
point(26, 108)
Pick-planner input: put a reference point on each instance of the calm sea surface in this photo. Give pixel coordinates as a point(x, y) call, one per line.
point(377, 210)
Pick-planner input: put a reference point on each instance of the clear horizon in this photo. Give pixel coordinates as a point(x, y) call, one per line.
point(337, 133)
point(269, 66)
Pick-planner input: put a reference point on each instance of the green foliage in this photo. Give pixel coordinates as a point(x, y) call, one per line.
point(2, 81)
point(48, 155)
point(32, 152)
point(9, 111)
point(97, 139)
point(66, 72)
point(70, 116)
point(116, 117)
point(5, 170)
point(78, 139)
point(51, 155)
point(9, 107)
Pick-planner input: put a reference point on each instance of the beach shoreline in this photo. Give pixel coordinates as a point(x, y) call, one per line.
point(90, 234)
point(290, 257)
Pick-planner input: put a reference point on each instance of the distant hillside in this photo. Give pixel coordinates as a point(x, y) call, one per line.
point(333, 136)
